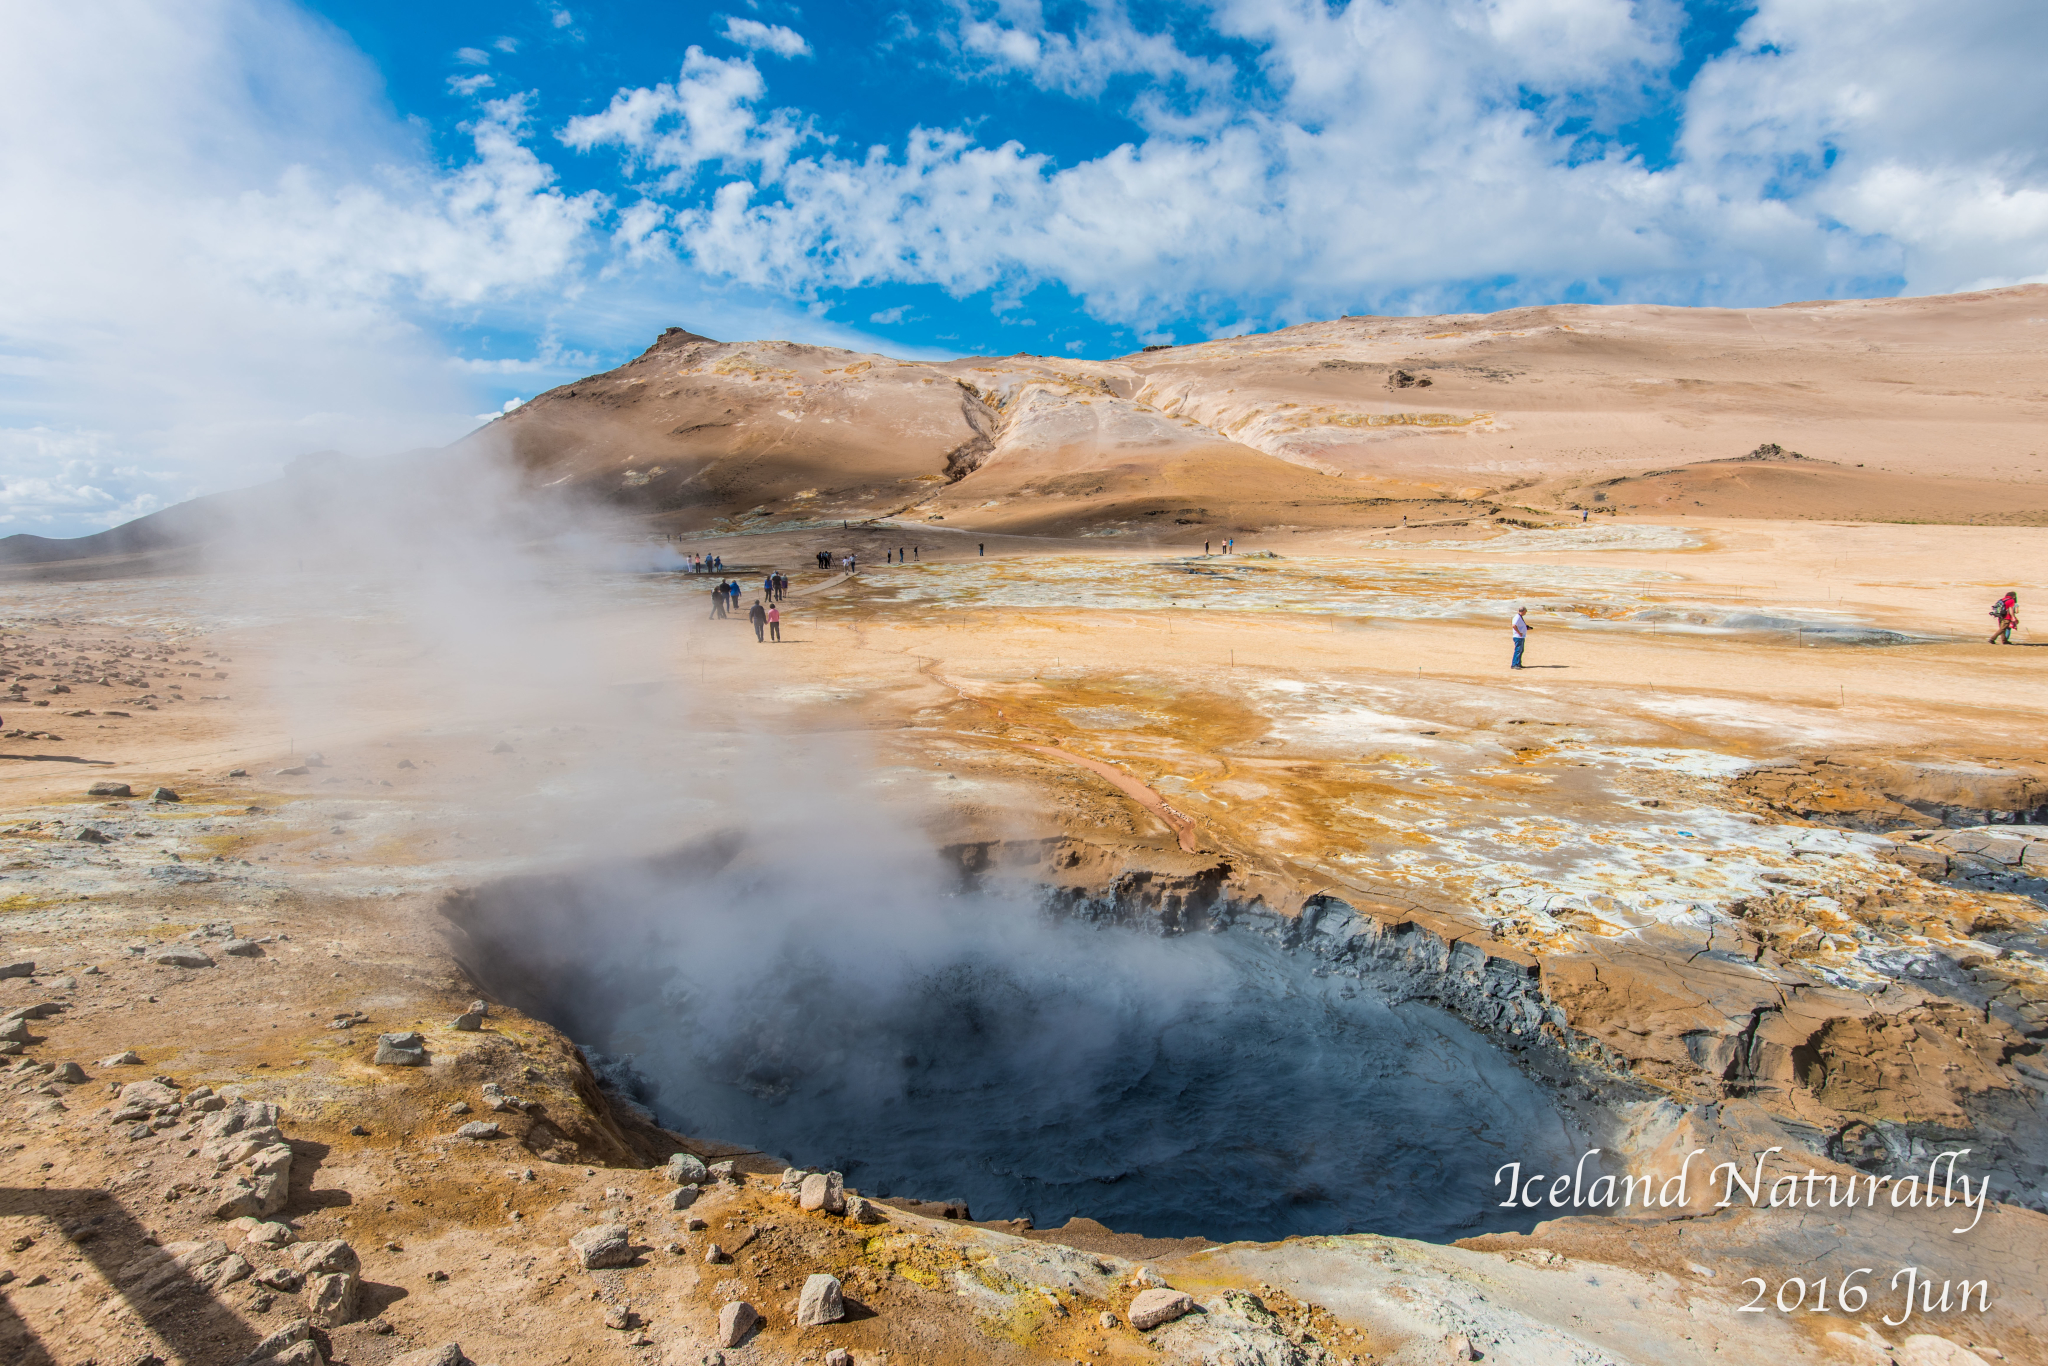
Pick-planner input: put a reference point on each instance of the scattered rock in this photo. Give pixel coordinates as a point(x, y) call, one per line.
point(109, 790)
point(1402, 379)
point(460, 1107)
point(838, 1356)
point(333, 1284)
point(148, 1095)
point(1154, 1307)
point(281, 1278)
point(238, 773)
point(447, 1354)
point(603, 1245)
point(716, 1256)
point(823, 1191)
point(182, 958)
point(728, 1173)
point(242, 948)
point(298, 1330)
point(687, 1169)
point(305, 1353)
point(126, 1058)
point(14, 1032)
point(401, 1050)
point(681, 1198)
point(472, 1019)
point(821, 1302)
point(735, 1321)
point(92, 836)
point(862, 1210)
point(480, 1130)
point(1460, 1348)
point(359, 1131)
point(164, 794)
point(619, 1318)
point(272, 1235)
point(25, 968)
point(1106, 1319)
point(405, 763)
point(69, 1072)
point(695, 1225)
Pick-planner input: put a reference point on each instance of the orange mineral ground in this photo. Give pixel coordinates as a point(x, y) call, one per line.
point(1749, 865)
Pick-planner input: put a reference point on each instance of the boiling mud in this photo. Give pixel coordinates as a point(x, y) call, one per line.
point(1205, 1085)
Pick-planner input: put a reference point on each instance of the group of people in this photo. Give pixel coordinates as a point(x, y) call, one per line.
point(704, 564)
point(775, 587)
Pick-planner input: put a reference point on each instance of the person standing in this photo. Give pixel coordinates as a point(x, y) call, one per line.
point(775, 624)
point(1520, 626)
point(757, 617)
point(2007, 615)
point(718, 602)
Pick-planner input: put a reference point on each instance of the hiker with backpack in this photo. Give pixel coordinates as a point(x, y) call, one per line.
point(2006, 612)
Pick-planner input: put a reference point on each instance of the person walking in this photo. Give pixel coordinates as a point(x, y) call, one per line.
point(757, 617)
point(775, 624)
point(2007, 614)
point(718, 602)
point(1520, 626)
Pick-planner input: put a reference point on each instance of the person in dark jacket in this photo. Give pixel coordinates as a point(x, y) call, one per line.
point(758, 615)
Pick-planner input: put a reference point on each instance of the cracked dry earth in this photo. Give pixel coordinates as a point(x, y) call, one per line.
point(1718, 888)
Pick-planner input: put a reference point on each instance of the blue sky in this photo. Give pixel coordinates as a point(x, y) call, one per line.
point(243, 229)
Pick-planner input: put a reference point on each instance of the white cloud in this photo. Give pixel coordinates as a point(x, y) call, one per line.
point(209, 268)
point(1399, 155)
point(705, 116)
point(506, 44)
point(473, 56)
point(783, 42)
point(889, 316)
point(469, 85)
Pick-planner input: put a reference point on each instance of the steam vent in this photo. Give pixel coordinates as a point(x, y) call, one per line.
point(1012, 684)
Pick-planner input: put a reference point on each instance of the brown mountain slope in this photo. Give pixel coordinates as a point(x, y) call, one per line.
point(1932, 409)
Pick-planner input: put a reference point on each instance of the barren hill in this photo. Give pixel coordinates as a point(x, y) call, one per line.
point(1938, 401)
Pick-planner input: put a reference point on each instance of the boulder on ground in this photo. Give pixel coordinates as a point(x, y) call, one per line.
point(14, 1031)
point(447, 1354)
point(862, 1210)
point(68, 1072)
point(401, 1050)
point(838, 1356)
point(164, 794)
point(298, 1330)
point(92, 836)
point(150, 1095)
point(823, 1191)
point(469, 1022)
point(682, 1197)
point(687, 1169)
point(242, 948)
point(821, 1302)
point(1155, 1307)
point(480, 1130)
point(109, 790)
point(331, 1299)
point(180, 957)
point(125, 1058)
point(328, 1255)
point(305, 1353)
point(735, 1321)
point(603, 1245)
point(24, 968)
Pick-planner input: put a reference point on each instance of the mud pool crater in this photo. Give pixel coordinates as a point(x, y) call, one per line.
point(1215, 1084)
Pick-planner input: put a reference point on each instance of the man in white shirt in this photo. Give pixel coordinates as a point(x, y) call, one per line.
point(1520, 626)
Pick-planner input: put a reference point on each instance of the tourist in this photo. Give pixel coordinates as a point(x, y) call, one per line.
point(1520, 626)
point(775, 624)
point(2007, 615)
point(757, 616)
point(718, 602)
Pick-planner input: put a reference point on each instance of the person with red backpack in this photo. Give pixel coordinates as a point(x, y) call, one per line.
point(2006, 612)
